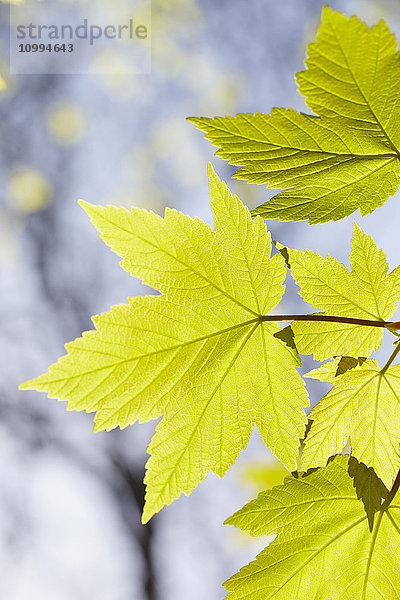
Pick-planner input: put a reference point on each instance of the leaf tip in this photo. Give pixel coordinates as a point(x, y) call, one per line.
point(97, 427)
point(327, 9)
point(147, 514)
point(198, 121)
point(211, 173)
point(327, 12)
point(87, 207)
point(33, 384)
point(26, 385)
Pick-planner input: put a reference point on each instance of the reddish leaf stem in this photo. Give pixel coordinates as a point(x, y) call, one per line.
point(393, 325)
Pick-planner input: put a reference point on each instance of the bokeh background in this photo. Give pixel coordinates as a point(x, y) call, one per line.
point(70, 500)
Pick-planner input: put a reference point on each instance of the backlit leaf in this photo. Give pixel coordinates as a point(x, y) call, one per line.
point(366, 292)
point(324, 549)
point(363, 405)
point(198, 354)
point(346, 158)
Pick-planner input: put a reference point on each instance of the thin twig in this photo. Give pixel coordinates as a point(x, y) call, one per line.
point(393, 325)
point(391, 358)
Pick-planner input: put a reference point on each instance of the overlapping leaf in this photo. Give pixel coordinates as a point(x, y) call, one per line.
point(364, 405)
point(348, 158)
point(367, 292)
point(324, 549)
point(198, 354)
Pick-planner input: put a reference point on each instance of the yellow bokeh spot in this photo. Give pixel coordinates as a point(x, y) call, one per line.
point(170, 137)
point(113, 68)
point(264, 476)
point(28, 190)
point(66, 124)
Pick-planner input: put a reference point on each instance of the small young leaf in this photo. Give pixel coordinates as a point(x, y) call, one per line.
point(367, 292)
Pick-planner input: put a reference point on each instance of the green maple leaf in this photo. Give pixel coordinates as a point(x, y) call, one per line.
point(349, 156)
point(198, 354)
point(363, 405)
point(324, 549)
point(367, 292)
